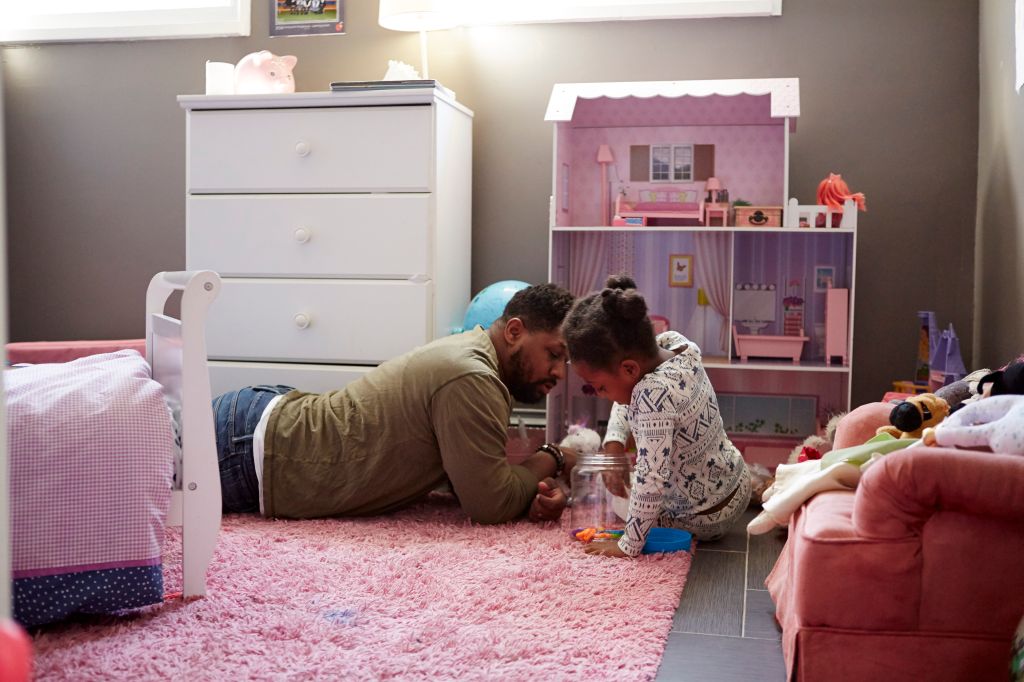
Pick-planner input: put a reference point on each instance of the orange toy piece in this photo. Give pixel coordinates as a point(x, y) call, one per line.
point(833, 192)
point(586, 535)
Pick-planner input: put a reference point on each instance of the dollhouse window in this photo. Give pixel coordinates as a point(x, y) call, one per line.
point(671, 163)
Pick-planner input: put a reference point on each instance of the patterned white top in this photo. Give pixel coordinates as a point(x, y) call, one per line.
point(618, 426)
point(685, 462)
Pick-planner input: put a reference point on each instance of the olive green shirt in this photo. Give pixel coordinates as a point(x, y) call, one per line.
point(387, 439)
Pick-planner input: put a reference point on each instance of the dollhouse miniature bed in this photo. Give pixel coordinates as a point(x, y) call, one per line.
point(96, 472)
point(672, 203)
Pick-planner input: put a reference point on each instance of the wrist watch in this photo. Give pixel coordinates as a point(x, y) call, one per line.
point(555, 452)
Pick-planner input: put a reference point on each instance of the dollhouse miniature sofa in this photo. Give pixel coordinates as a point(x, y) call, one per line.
point(671, 201)
point(915, 575)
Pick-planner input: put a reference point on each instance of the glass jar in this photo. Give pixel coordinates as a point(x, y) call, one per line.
point(600, 492)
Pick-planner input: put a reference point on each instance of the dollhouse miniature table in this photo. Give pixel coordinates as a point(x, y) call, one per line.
point(711, 210)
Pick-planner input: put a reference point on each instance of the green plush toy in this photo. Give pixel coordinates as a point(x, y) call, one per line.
point(882, 444)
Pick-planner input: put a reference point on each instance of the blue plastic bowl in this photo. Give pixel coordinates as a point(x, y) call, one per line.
point(667, 540)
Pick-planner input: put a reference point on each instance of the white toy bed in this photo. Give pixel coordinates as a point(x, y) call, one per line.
point(95, 466)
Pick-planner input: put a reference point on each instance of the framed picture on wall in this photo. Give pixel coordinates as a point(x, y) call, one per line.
point(680, 270)
point(824, 277)
point(307, 17)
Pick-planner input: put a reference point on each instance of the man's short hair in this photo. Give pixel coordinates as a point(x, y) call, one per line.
point(541, 307)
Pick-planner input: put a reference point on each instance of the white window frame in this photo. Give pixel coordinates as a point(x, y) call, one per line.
point(32, 21)
point(676, 170)
point(490, 12)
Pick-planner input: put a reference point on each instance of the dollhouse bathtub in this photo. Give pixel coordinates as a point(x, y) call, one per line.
point(765, 346)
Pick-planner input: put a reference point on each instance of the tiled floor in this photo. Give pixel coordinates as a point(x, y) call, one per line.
point(724, 628)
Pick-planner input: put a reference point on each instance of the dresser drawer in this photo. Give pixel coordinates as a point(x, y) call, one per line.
point(387, 149)
point(332, 321)
point(226, 375)
point(338, 235)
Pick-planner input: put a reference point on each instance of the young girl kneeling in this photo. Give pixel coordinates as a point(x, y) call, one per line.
point(688, 474)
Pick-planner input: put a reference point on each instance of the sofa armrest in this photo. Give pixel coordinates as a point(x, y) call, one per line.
point(861, 423)
point(900, 492)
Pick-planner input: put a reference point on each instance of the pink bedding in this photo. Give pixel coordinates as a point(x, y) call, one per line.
point(35, 352)
point(91, 457)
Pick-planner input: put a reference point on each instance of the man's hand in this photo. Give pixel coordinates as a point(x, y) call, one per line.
point(571, 456)
point(549, 502)
point(605, 548)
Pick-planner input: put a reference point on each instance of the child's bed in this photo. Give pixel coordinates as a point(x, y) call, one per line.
point(669, 203)
point(96, 472)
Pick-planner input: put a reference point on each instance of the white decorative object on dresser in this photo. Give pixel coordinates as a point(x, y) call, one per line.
point(339, 223)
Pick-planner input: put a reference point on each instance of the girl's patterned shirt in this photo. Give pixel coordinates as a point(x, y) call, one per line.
point(685, 462)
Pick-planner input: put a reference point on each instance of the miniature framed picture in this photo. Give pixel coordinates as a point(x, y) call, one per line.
point(307, 17)
point(824, 277)
point(680, 270)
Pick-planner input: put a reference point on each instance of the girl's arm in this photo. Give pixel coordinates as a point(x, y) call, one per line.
point(653, 433)
point(618, 427)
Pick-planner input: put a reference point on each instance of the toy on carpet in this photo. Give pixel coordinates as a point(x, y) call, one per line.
point(910, 417)
point(15, 653)
point(588, 535)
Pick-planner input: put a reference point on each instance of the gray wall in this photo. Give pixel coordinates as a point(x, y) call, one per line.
point(999, 277)
point(889, 98)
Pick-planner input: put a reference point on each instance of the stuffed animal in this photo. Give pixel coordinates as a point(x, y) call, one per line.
point(997, 421)
point(263, 72)
point(911, 416)
point(817, 445)
point(581, 439)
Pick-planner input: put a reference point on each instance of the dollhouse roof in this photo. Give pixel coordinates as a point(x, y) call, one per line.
point(744, 101)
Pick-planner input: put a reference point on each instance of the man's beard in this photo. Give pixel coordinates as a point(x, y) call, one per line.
point(519, 387)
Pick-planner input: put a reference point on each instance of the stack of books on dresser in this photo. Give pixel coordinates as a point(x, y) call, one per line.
point(350, 86)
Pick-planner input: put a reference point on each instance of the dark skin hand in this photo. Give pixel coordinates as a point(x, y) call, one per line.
point(549, 502)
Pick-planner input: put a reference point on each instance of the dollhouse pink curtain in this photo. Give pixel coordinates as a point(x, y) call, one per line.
point(587, 262)
point(712, 273)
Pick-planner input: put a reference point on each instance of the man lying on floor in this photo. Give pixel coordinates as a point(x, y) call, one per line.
point(438, 413)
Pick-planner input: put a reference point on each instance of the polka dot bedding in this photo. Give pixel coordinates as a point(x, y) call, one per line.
point(91, 459)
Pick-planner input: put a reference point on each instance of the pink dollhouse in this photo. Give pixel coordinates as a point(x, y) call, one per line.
point(636, 168)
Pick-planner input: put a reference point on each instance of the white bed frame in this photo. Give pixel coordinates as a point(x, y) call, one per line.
point(176, 352)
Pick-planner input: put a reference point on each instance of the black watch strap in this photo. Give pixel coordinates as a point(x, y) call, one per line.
point(555, 452)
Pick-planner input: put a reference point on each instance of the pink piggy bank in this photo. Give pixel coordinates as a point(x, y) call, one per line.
point(263, 72)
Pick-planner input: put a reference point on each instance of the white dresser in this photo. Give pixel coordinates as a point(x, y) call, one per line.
point(339, 222)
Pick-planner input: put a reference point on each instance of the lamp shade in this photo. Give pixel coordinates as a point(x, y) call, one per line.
point(604, 154)
point(713, 183)
point(416, 15)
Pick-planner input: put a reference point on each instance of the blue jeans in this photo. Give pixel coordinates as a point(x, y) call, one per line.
point(235, 416)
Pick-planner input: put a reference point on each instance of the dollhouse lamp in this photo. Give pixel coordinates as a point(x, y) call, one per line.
point(604, 157)
point(712, 186)
point(417, 15)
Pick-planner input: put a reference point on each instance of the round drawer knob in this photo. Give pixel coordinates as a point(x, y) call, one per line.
point(302, 320)
point(303, 234)
point(303, 148)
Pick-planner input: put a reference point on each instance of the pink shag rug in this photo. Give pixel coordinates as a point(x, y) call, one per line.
point(422, 594)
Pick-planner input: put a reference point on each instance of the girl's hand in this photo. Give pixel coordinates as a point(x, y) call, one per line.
point(605, 548)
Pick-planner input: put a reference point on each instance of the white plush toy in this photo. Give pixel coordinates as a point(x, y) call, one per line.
point(581, 439)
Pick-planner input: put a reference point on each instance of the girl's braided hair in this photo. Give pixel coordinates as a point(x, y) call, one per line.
point(605, 327)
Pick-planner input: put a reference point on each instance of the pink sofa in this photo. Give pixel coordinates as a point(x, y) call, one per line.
point(917, 575)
